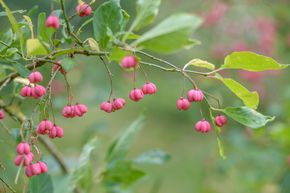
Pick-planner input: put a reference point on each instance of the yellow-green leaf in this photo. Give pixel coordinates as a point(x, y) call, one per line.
point(250, 99)
point(35, 48)
point(251, 61)
point(201, 64)
point(30, 24)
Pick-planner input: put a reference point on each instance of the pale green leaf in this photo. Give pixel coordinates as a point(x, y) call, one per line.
point(42, 183)
point(152, 157)
point(250, 99)
point(247, 116)
point(251, 62)
point(35, 48)
point(201, 64)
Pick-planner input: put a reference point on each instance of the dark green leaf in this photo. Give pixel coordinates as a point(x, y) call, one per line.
point(68, 63)
point(251, 61)
point(247, 116)
point(171, 34)
point(83, 163)
point(109, 19)
point(41, 183)
point(152, 157)
point(21, 69)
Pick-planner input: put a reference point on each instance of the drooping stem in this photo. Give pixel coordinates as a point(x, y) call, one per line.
point(110, 77)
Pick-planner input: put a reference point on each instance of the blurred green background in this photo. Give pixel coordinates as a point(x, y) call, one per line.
point(256, 159)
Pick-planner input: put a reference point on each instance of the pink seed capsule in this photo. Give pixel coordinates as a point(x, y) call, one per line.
point(203, 126)
point(43, 167)
point(26, 91)
point(106, 106)
point(68, 111)
point(149, 88)
point(38, 91)
point(35, 77)
point(23, 148)
point(129, 62)
point(136, 94)
point(220, 120)
point(58, 67)
point(84, 10)
point(52, 133)
point(44, 127)
point(18, 160)
point(182, 104)
point(35, 168)
point(52, 21)
point(195, 95)
point(59, 132)
point(28, 171)
point(2, 115)
point(81, 109)
point(118, 103)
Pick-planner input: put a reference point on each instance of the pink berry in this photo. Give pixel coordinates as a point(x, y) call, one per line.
point(44, 127)
point(129, 62)
point(106, 106)
point(81, 109)
point(118, 103)
point(17, 160)
point(23, 148)
point(182, 104)
point(35, 77)
point(53, 132)
point(195, 95)
point(202, 126)
point(26, 91)
point(38, 91)
point(220, 120)
point(35, 168)
point(59, 132)
point(58, 67)
point(28, 171)
point(149, 88)
point(2, 115)
point(52, 21)
point(136, 94)
point(68, 111)
point(84, 10)
point(43, 167)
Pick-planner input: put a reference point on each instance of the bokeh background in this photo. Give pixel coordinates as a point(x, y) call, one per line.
point(257, 160)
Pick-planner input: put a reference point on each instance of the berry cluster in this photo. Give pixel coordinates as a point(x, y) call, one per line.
point(34, 90)
point(46, 127)
point(26, 157)
point(71, 111)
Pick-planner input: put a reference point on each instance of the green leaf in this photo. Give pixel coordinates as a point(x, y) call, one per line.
point(153, 157)
point(68, 63)
point(201, 64)
point(251, 61)
point(121, 174)
point(121, 145)
point(146, 13)
point(43, 33)
point(14, 24)
point(109, 19)
point(41, 183)
point(35, 48)
point(83, 163)
point(171, 34)
point(247, 116)
point(7, 38)
point(250, 99)
point(3, 13)
point(21, 69)
point(30, 25)
point(118, 54)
